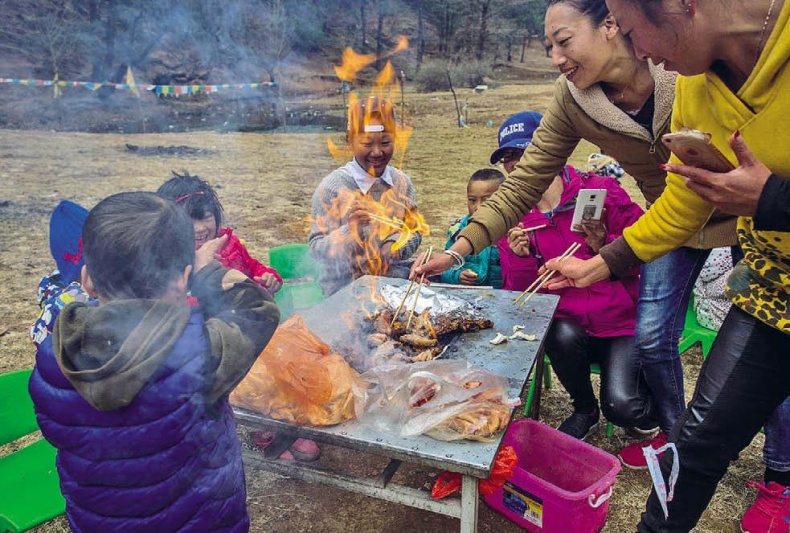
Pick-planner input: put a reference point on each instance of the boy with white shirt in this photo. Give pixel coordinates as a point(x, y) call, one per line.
point(350, 235)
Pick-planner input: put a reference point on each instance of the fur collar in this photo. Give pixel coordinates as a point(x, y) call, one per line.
point(594, 102)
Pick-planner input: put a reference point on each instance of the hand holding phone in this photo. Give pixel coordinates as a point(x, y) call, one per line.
point(589, 206)
point(693, 148)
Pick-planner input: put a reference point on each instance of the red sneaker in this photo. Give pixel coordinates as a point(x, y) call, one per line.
point(632, 456)
point(301, 449)
point(771, 510)
point(305, 450)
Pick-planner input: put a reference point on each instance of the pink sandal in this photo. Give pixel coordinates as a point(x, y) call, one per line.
point(301, 449)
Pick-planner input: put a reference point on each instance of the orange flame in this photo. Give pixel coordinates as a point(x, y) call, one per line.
point(353, 63)
point(386, 86)
point(393, 216)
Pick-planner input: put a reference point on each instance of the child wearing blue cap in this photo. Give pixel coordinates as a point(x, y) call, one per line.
point(515, 134)
point(62, 286)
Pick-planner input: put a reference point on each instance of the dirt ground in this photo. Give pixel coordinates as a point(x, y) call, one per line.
point(266, 181)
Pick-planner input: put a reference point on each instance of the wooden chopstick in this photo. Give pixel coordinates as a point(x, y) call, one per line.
point(540, 278)
point(391, 222)
point(551, 273)
point(543, 278)
point(419, 288)
point(408, 290)
point(533, 228)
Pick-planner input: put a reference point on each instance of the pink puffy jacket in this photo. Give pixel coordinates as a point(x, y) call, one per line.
point(605, 309)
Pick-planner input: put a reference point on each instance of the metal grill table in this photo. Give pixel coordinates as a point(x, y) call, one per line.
point(513, 360)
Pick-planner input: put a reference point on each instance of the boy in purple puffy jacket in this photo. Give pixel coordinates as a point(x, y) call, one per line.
point(133, 392)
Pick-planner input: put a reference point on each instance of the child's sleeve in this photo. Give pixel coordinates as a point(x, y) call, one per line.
point(451, 276)
point(240, 319)
point(235, 255)
point(329, 237)
point(53, 296)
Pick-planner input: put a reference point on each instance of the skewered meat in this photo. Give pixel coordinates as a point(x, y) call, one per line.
point(418, 341)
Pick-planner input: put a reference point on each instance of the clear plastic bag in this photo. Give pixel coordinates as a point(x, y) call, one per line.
point(447, 400)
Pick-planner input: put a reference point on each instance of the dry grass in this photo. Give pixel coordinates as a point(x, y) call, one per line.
point(266, 181)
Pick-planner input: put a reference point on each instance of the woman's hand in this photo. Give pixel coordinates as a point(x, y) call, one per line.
point(518, 240)
point(594, 232)
point(575, 272)
point(440, 262)
point(736, 192)
point(209, 251)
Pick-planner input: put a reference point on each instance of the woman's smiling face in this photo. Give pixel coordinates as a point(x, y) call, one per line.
point(667, 36)
point(579, 47)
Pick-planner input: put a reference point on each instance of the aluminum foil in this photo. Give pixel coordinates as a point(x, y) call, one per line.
point(439, 303)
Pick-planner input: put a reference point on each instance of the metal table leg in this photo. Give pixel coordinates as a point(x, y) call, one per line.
point(469, 500)
point(540, 368)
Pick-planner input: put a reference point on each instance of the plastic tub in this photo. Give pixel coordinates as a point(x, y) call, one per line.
point(559, 485)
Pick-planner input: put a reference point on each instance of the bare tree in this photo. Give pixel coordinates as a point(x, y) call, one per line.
point(43, 33)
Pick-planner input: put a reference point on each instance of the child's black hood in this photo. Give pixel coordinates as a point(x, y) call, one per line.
point(109, 353)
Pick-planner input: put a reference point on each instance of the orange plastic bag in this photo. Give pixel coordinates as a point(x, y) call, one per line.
point(298, 380)
point(450, 482)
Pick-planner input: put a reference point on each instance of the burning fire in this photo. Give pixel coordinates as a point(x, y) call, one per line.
point(386, 86)
point(394, 215)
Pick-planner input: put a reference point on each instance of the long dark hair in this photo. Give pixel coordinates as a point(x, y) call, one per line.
point(595, 10)
point(193, 194)
point(135, 244)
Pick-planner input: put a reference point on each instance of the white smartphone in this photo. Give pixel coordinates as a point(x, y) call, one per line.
point(693, 148)
point(589, 206)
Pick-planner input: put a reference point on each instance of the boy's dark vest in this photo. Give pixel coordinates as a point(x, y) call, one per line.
point(165, 462)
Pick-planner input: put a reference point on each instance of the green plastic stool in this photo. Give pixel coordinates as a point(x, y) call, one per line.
point(29, 483)
point(296, 296)
point(594, 369)
point(694, 333)
point(294, 261)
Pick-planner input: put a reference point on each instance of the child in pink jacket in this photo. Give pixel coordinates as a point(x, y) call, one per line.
point(593, 324)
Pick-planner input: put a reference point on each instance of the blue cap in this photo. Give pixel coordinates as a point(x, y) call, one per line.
point(65, 239)
point(516, 133)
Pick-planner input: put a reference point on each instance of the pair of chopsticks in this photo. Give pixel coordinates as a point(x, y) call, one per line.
point(393, 223)
point(543, 278)
point(416, 295)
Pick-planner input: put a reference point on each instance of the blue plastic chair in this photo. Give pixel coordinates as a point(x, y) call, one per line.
point(29, 483)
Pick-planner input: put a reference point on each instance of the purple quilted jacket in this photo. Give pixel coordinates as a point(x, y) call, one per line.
point(167, 461)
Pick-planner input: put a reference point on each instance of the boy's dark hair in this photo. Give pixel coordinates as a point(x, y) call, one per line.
point(487, 174)
point(135, 244)
point(193, 194)
point(595, 10)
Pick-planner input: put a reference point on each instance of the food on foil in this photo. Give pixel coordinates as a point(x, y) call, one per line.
point(436, 318)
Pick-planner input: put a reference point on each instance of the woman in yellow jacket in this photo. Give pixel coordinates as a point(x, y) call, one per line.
point(735, 84)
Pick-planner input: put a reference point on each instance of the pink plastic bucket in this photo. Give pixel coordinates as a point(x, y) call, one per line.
point(560, 484)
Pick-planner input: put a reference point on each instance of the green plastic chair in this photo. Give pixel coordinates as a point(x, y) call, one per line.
point(29, 483)
point(300, 272)
point(694, 333)
point(594, 369)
